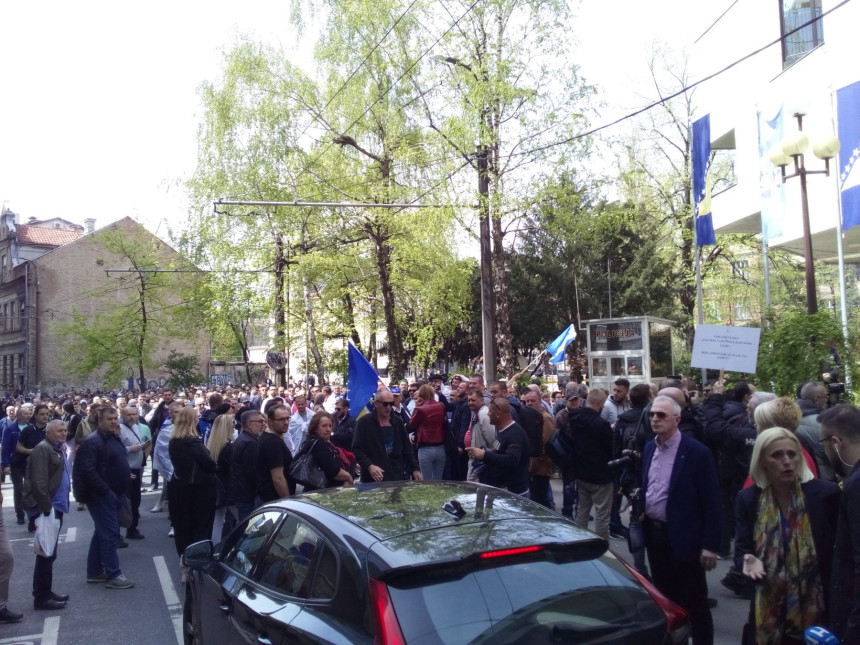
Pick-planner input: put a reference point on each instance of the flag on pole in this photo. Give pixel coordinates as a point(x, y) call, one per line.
point(361, 383)
point(701, 181)
point(848, 115)
point(556, 348)
point(770, 132)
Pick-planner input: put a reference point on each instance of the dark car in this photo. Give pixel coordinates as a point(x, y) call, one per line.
point(429, 563)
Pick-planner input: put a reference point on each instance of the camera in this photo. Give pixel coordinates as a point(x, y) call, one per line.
point(836, 388)
point(627, 457)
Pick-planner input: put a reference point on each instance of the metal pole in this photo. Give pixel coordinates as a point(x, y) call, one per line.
point(841, 253)
point(766, 274)
point(809, 265)
point(576, 295)
point(609, 283)
point(698, 251)
point(488, 305)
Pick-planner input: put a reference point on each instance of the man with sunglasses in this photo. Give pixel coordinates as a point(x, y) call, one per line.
point(681, 515)
point(380, 444)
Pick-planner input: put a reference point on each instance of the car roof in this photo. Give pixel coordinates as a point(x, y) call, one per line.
point(392, 509)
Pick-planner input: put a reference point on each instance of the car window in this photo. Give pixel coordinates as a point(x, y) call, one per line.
point(588, 602)
point(288, 565)
point(244, 544)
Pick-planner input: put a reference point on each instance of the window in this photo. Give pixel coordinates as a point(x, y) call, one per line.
point(244, 544)
point(289, 565)
point(793, 14)
point(741, 269)
point(741, 312)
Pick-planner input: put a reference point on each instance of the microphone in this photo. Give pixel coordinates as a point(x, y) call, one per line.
point(819, 636)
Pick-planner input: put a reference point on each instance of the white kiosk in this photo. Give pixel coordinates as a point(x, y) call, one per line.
point(639, 348)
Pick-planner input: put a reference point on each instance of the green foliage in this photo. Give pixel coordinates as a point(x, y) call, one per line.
point(795, 348)
point(183, 370)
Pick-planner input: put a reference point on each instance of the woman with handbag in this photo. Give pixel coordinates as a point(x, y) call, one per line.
point(335, 463)
point(193, 487)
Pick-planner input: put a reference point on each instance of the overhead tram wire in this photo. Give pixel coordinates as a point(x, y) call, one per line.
point(679, 92)
point(714, 24)
point(390, 87)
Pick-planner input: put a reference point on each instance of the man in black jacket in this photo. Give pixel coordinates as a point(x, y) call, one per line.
point(243, 464)
point(591, 435)
point(380, 443)
point(101, 478)
point(508, 461)
point(840, 433)
point(344, 425)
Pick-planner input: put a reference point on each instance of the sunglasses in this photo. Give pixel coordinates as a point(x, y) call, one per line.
point(659, 415)
point(385, 403)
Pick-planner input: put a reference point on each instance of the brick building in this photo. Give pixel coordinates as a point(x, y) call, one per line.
point(52, 268)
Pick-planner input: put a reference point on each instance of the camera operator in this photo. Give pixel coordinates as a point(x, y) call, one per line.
point(634, 431)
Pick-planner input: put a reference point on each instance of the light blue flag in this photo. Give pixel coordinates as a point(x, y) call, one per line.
point(556, 348)
point(848, 113)
point(770, 132)
point(361, 381)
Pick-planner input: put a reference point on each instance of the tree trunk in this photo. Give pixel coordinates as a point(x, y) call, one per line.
point(383, 266)
point(280, 315)
point(350, 313)
point(312, 332)
point(143, 324)
point(504, 336)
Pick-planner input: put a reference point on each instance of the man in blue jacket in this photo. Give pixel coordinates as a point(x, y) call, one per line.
point(681, 515)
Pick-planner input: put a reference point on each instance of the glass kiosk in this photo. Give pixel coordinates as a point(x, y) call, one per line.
point(639, 348)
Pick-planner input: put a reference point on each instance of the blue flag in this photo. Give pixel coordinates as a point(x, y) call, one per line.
point(556, 348)
point(361, 381)
point(770, 133)
point(701, 182)
point(848, 114)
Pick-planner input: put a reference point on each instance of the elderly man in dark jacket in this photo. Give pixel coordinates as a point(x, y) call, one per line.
point(46, 487)
point(380, 443)
point(101, 477)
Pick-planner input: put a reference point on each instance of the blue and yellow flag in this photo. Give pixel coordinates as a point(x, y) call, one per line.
point(556, 348)
point(848, 114)
point(361, 382)
point(701, 181)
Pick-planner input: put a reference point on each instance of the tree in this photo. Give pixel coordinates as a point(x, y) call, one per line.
point(137, 311)
point(183, 370)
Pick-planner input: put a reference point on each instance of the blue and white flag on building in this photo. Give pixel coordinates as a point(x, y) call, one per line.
point(770, 133)
point(361, 381)
point(848, 115)
point(701, 181)
point(556, 348)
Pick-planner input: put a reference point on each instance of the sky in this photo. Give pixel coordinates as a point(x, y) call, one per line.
point(99, 107)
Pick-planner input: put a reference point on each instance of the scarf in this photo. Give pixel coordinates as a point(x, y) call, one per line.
point(791, 597)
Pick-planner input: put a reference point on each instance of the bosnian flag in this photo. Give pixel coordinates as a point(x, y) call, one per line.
point(848, 115)
point(556, 348)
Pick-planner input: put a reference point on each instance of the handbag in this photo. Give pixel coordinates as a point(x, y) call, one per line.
point(123, 510)
point(45, 539)
point(305, 470)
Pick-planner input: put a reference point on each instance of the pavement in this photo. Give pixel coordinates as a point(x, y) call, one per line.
point(151, 612)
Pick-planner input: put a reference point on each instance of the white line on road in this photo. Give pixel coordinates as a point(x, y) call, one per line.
point(71, 534)
point(170, 596)
point(50, 634)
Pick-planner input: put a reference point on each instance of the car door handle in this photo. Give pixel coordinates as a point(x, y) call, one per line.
point(262, 639)
point(224, 606)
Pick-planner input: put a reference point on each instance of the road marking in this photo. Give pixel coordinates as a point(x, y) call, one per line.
point(50, 634)
point(51, 631)
point(71, 534)
point(174, 607)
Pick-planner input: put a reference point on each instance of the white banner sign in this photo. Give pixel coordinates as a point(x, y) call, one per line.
point(734, 349)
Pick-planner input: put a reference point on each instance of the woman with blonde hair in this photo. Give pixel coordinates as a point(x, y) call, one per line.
point(192, 488)
point(784, 413)
point(220, 448)
point(786, 528)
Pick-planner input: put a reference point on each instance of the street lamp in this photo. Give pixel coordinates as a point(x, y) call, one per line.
point(794, 148)
point(488, 300)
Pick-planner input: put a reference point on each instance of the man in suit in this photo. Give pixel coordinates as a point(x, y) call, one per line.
point(840, 434)
point(681, 516)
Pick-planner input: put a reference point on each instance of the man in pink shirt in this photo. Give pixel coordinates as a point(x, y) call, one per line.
point(682, 516)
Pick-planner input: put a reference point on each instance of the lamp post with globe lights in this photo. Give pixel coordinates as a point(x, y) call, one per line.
point(792, 150)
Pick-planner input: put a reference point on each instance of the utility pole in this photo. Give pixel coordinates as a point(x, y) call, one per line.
point(488, 300)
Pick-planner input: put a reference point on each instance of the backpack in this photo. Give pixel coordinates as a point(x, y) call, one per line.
point(532, 422)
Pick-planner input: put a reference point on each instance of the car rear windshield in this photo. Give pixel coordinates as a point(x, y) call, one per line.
point(594, 601)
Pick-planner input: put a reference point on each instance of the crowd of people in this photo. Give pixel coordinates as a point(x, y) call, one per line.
point(733, 473)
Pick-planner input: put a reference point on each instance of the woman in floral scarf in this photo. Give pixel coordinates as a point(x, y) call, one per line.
point(786, 527)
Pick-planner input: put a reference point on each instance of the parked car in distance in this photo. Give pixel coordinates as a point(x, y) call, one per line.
point(432, 563)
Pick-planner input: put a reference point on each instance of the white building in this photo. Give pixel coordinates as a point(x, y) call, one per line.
point(803, 70)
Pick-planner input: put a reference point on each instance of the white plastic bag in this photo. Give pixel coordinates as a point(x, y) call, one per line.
point(45, 539)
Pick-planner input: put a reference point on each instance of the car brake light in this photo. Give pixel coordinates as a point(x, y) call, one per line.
point(509, 552)
point(387, 628)
point(677, 621)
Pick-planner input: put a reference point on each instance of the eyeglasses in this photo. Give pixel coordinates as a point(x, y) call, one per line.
point(386, 403)
point(280, 418)
point(256, 421)
point(659, 415)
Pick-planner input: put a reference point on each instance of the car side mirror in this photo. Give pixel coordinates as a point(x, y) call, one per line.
point(198, 554)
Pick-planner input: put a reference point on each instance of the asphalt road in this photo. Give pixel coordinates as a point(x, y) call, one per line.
point(151, 612)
